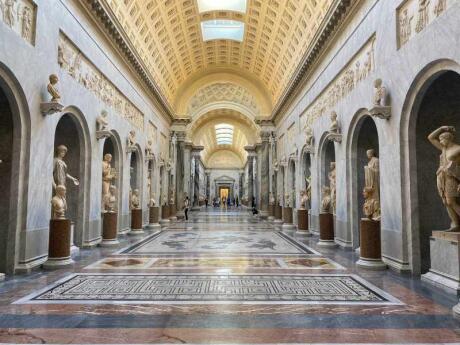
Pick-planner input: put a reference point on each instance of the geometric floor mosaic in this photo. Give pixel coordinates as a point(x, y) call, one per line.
point(233, 263)
point(218, 243)
point(212, 289)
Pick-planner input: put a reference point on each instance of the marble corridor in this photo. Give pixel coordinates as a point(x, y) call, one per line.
point(222, 277)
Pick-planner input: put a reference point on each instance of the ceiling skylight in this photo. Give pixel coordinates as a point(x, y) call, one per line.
point(216, 5)
point(224, 134)
point(222, 29)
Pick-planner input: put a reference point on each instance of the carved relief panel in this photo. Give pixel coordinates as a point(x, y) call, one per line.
point(20, 16)
point(71, 59)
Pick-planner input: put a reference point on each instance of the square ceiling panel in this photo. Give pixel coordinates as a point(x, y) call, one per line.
point(221, 29)
point(218, 5)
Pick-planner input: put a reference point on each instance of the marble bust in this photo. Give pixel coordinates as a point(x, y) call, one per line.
point(59, 203)
point(372, 173)
point(379, 94)
point(131, 139)
point(334, 127)
point(110, 200)
point(309, 136)
point(326, 205)
point(149, 149)
point(152, 202)
point(52, 89)
point(303, 199)
point(60, 174)
point(102, 124)
point(135, 202)
point(371, 207)
point(448, 173)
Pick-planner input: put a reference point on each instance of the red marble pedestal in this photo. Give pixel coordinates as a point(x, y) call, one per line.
point(278, 214)
point(172, 212)
point(109, 229)
point(136, 222)
point(326, 230)
point(59, 244)
point(164, 214)
point(154, 217)
point(370, 245)
point(302, 222)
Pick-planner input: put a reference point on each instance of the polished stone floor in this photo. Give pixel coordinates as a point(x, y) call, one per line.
point(223, 277)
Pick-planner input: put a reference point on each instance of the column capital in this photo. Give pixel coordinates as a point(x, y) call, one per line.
point(196, 150)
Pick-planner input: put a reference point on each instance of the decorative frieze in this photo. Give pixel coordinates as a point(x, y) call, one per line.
point(355, 72)
point(20, 16)
point(71, 59)
point(415, 15)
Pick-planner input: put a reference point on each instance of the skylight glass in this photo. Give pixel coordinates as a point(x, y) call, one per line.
point(222, 29)
point(216, 5)
point(224, 134)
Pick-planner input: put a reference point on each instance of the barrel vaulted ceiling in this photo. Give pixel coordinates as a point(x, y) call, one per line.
point(167, 36)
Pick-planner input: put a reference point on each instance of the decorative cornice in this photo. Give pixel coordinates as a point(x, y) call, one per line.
point(100, 10)
point(331, 23)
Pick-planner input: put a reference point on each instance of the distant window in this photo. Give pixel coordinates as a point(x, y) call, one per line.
point(224, 134)
point(221, 29)
point(216, 5)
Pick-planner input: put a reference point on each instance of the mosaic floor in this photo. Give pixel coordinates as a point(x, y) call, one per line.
point(222, 278)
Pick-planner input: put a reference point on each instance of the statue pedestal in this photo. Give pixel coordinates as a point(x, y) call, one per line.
point(172, 212)
point(370, 254)
point(136, 222)
point(271, 213)
point(73, 248)
point(302, 223)
point(326, 230)
point(49, 108)
point(287, 218)
point(278, 215)
point(109, 229)
point(59, 244)
point(445, 260)
point(164, 214)
point(103, 134)
point(154, 217)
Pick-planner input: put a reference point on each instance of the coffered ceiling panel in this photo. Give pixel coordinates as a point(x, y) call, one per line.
point(167, 36)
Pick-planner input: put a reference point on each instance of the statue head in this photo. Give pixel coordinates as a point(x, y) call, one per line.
point(446, 138)
point(371, 153)
point(104, 113)
point(53, 78)
point(132, 133)
point(326, 191)
point(113, 189)
point(108, 157)
point(61, 151)
point(368, 192)
point(378, 83)
point(333, 116)
point(136, 192)
point(332, 166)
point(60, 190)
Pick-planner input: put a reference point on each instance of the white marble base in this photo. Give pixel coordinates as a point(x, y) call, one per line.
point(289, 227)
point(303, 233)
point(109, 243)
point(49, 108)
point(196, 208)
point(371, 264)
point(56, 263)
point(441, 280)
point(327, 244)
point(153, 226)
point(164, 221)
point(136, 232)
point(2, 276)
point(173, 219)
point(456, 311)
point(74, 250)
point(278, 221)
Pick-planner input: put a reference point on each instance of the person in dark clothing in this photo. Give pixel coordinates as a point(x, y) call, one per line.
point(186, 207)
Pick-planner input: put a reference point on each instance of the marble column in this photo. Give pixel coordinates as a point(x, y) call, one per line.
point(183, 149)
point(196, 152)
point(251, 157)
point(208, 184)
point(264, 161)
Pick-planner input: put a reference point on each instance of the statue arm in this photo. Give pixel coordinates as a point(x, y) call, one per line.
point(434, 136)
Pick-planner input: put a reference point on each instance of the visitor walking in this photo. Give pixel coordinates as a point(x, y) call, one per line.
point(186, 207)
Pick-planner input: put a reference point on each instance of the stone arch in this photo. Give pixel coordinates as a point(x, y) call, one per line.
point(291, 183)
point(136, 159)
point(72, 131)
point(305, 166)
point(362, 135)
point(14, 168)
point(416, 154)
point(326, 154)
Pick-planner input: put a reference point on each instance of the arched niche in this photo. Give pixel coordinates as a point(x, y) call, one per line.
point(433, 102)
point(72, 132)
point(151, 179)
point(364, 137)
point(14, 156)
point(305, 171)
point(162, 185)
point(292, 183)
point(282, 185)
point(327, 157)
point(135, 170)
point(112, 145)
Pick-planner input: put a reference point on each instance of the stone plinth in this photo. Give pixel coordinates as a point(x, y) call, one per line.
point(59, 244)
point(302, 222)
point(445, 260)
point(164, 214)
point(154, 217)
point(172, 212)
point(49, 108)
point(287, 218)
point(136, 222)
point(370, 254)
point(278, 214)
point(109, 229)
point(271, 213)
point(326, 230)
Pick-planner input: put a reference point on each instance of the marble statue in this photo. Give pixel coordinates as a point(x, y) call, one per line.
point(152, 202)
point(135, 202)
point(26, 23)
point(172, 197)
point(102, 124)
point(303, 200)
point(371, 207)
point(52, 89)
point(334, 127)
point(332, 184)
point(108, 175)
point(440, 7)
point(372, 174)
point(379, 94)
point(59, 203)
point(423, 19)
point(287, 202)
point(308, 191)
point(110, 200)
point(448, 174)
point(60, 174)
point(309, 135)
point(149, 149)
point(132, 139)
point(326, 205)
point(271, 199)
point(8, 12)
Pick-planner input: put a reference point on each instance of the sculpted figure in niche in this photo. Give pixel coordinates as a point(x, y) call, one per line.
point(59, 203)
point(309, 136)
point(26, 23)
point(326, 205)
point(8, 12)
point(149, 149)
point(108, 175)
point(448, 174)
point(287, 202)
point(52, 89)
point(308, 191)
point(152, 202)
point(102, 124)
point(371, 208)
point(334, 128)
point(110, 201)
point(423, 14)
point(303, 199)
point(60, 174)
point(372, 174)
point(132, 139)
point(380, 93)
point(405, 25)
point(332, 184)
point(135, 203)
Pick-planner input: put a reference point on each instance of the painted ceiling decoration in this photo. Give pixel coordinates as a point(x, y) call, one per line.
point(167, 37)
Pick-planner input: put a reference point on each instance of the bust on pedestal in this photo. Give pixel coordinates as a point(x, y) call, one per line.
point(154, 214)
point(109, 218)
point(326, 220)
point(48, 108)
point(136, 214)
point(271, 207)
point(302, 215)
point(102, 126)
